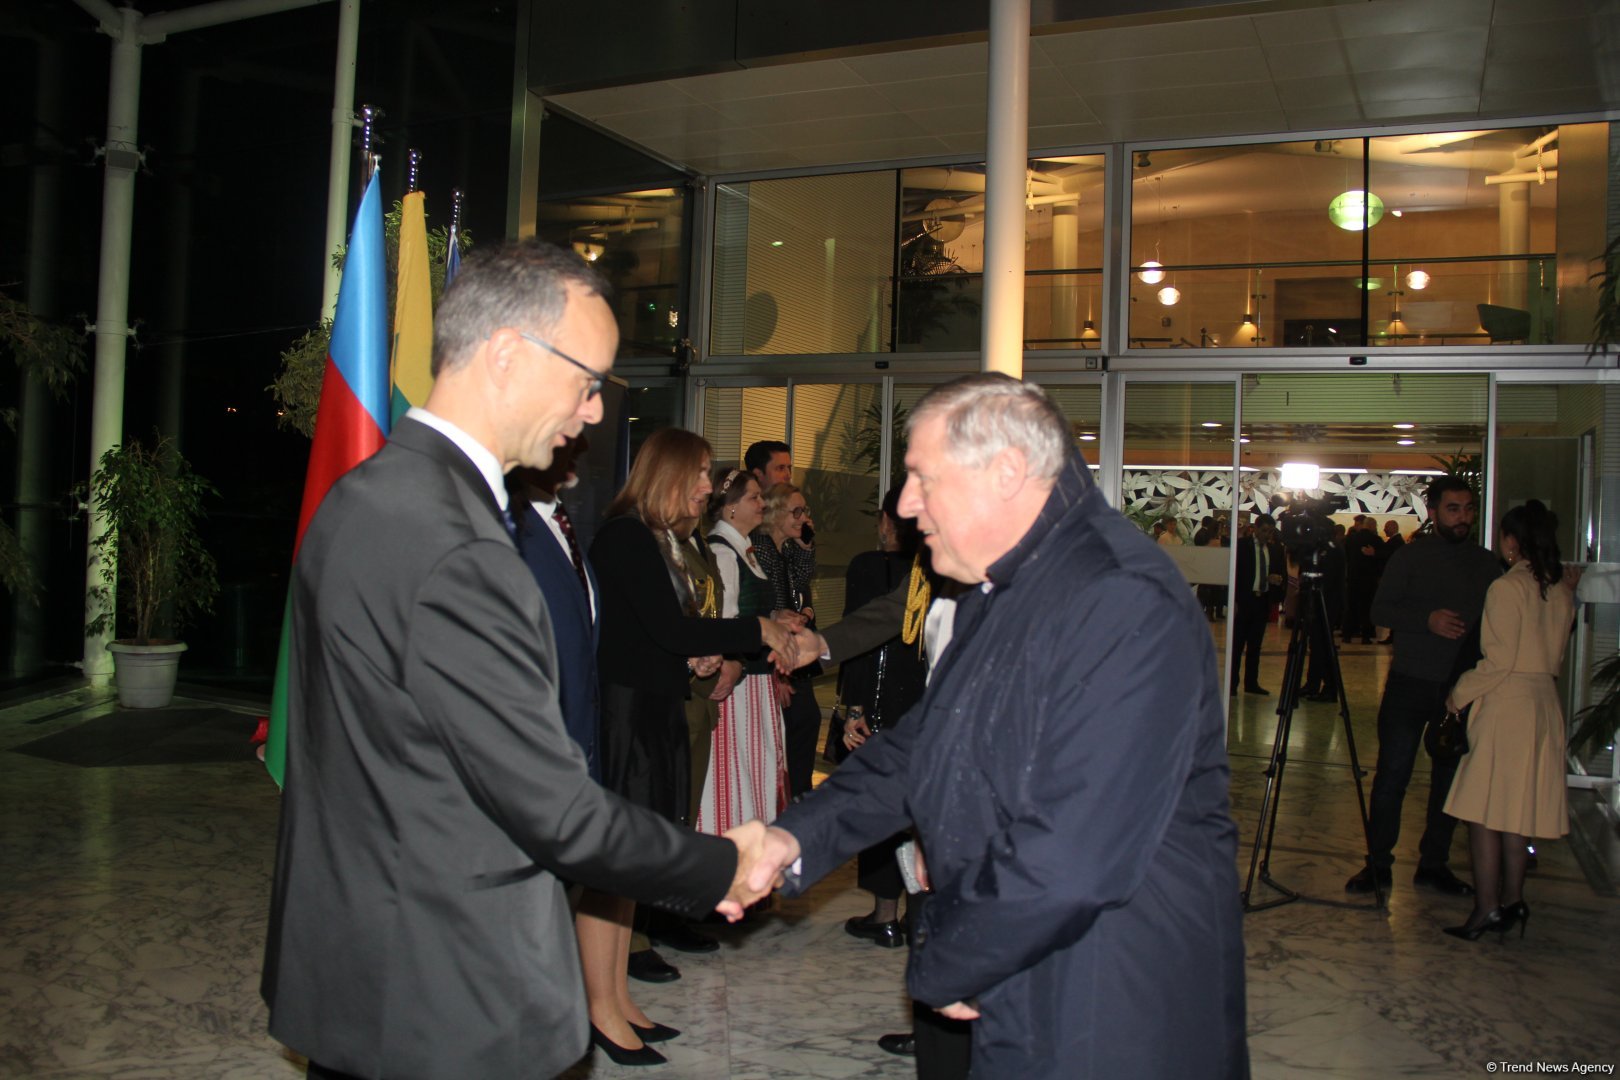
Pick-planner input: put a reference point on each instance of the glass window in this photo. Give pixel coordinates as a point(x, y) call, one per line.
point(736, 417)
point(833, 464)
point(803, 265)
point(1446, 238)
point(941, 264)
point(636, 239)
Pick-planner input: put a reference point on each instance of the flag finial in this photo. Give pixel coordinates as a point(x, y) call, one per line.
point(413, 160)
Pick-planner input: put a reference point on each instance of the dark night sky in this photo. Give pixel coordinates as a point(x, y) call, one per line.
point(229, 227)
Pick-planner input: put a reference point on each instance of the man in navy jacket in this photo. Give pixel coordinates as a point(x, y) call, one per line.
point(1066, 770)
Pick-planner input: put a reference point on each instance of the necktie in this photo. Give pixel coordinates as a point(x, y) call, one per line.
point(566, 524)
point(511, 525)
point(1260, 583)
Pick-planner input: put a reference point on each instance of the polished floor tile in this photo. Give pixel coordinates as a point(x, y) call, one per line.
point(134, 897)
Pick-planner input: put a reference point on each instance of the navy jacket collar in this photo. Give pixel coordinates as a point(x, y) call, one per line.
point(1072, 487)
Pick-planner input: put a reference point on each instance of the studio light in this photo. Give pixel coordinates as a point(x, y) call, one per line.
point(1300, 475)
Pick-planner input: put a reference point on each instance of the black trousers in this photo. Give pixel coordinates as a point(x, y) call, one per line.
point(944, 1046)
point(1249, 616)
point(802, 721)
point(1358, 598)
point(321, 1072)
point(1409, 704)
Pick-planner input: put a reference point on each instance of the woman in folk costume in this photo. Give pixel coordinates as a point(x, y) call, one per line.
point(747, 767)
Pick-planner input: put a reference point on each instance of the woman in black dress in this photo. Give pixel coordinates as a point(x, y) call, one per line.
point(651, 643)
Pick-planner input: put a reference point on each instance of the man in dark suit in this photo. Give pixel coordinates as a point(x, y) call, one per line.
point(545, 538)
point(1066, 769)
point(433, 797)
point(1260, 581)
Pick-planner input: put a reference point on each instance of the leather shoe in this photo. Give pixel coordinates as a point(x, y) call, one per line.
point(1262, 691)
point(890, 935)
point(648, 966)
point(679, 936)
point(904, 1043)
point(657, 1033)
point(623, 1055)
point(1441, 879)
point(1363, 880)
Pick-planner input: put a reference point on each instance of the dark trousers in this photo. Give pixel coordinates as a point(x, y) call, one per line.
point(1358, 598)
point(1249, 617)
point(1319, 673)
point(802, 721)
point(321, 1072)
point(944, 1046)
point(1409, 704)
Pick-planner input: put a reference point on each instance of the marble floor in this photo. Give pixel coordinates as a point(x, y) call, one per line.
point(135, 883)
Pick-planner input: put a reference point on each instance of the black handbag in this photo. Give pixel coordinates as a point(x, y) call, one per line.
point(1447, 737)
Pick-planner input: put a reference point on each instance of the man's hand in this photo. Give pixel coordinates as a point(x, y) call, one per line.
point(812, 646)
point(704, 666)
point(1446, 623)
point(956, 1010)
point(783, 689)
point(920, 866)
point(730, 673)
point(778, 850)
point(750, 840)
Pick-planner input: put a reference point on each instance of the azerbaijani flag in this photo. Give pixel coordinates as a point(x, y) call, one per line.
point(411, 365)
point(353, 420)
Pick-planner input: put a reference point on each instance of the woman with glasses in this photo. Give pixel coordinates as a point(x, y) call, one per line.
point(747, 768)
point(782, 546)
point(652, 642)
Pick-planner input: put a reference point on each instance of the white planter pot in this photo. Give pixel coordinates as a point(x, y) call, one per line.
point(145, 674)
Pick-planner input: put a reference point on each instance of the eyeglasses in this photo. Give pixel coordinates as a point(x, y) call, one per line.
point(800, 511)
point(597, 378)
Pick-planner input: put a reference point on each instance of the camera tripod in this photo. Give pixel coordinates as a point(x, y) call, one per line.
point(1311, 614)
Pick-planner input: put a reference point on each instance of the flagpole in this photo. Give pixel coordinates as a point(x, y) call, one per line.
point(369, 115)
point(413, 163)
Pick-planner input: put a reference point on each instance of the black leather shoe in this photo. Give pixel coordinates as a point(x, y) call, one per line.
point(648, 966)
point(1262, 691)
point(1363, 881)
point(679, 936)
point(904, 1044)
point(890, 935)
point(1441, 879)
point(656, 1033)
point(641, 1055)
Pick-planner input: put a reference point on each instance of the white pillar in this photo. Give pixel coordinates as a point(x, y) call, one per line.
point(337, 182)
point(1066, 256)
point(1006, 172)
point(122, 156)
point(1513, 238)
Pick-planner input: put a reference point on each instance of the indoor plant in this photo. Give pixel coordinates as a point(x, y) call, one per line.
point(152, 561)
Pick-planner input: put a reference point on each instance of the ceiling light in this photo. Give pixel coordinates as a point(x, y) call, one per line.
point(588, 252)
point(1355, 210)
point(1169, 296)
point(1404, 427)
point(776, 243)
point(1417, 279)
point(1211, 423)
point(1244, 439)
point(1396, 213)
point(1151, 274)
point(1300, 475)
point(1369, 283)
point(1248, 319)
point(1405, 442)
point(1142, 160)
point(1088, 437)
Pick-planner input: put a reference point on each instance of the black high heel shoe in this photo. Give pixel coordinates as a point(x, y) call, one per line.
point(1494, 921)
point(656, 1033)
point(621, 1055)
point(1516, 913)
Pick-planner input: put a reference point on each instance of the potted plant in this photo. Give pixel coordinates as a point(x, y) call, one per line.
point(152, 561)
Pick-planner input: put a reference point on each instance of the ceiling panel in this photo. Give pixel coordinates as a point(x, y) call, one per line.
point(1299, 65)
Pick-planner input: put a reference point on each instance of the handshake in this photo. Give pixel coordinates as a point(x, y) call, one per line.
point(791, 641)
point(763, 855)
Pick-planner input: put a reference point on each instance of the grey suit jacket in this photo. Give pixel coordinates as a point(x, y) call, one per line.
point(868, 626)
point(433, 797)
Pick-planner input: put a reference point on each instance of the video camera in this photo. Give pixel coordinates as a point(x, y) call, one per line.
point(1305, 526)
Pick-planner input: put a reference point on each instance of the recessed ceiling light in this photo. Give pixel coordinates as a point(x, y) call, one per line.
point(776, 243)
point(1404, 427)
point(1244, 439)
point(1211, 423)
point(1405, 442)
point(1088, 437)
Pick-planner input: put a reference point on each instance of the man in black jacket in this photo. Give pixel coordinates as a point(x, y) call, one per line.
point(1261, 581)
point(1066, 770)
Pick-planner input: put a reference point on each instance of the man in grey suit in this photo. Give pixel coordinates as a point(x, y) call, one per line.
point(433, 796)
